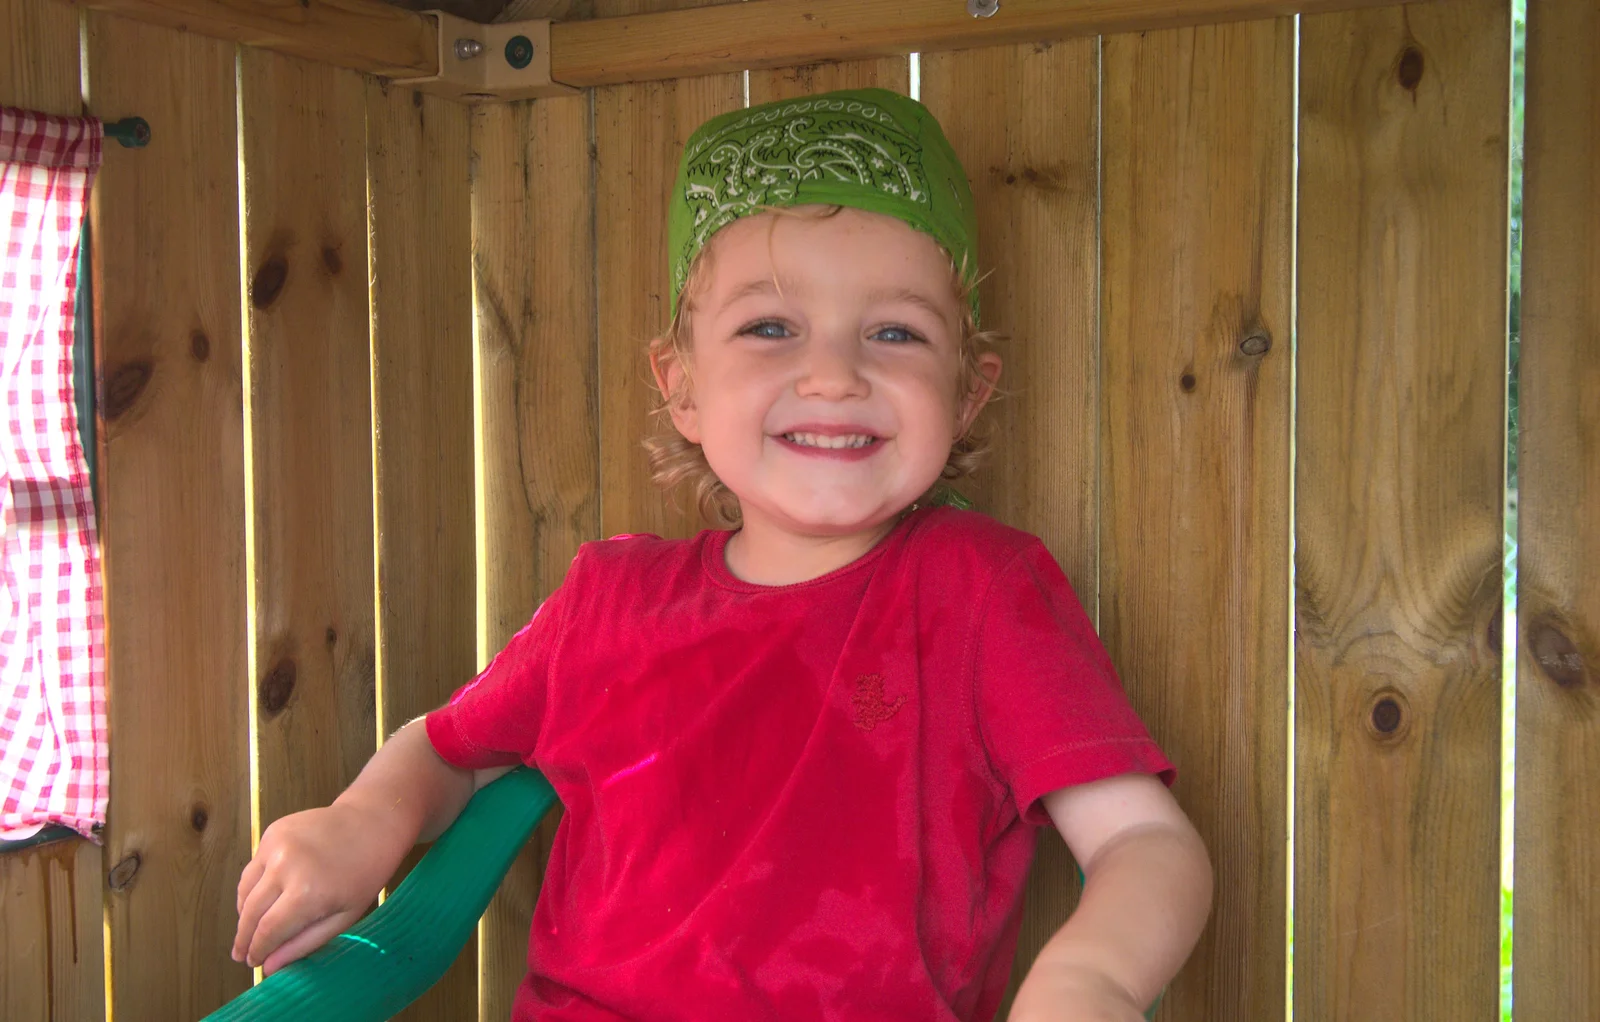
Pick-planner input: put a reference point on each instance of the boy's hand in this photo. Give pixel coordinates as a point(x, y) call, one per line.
point(1073, 994)
point(314, 874)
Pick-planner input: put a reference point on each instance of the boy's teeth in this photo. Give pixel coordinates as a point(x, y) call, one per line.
point(831, 442)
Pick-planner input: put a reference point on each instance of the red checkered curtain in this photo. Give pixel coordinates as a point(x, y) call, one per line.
point(52, 622)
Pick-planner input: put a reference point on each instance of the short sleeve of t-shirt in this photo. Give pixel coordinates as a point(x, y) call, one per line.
point(494, 719)
point(1052, 711)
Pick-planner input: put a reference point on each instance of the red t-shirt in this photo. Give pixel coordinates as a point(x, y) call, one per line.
point(815, 801)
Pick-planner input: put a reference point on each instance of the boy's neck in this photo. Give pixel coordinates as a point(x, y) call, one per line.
point(765, 553)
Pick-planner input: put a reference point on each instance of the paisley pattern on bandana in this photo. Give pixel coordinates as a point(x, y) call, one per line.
point(733, 174)
point(868, 148)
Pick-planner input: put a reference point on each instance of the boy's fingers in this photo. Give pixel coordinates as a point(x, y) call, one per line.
point(308, 940)
point(281, 923)
point(247, 882)
point(261, 899)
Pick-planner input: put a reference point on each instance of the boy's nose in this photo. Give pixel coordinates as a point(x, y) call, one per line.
point(832, 371)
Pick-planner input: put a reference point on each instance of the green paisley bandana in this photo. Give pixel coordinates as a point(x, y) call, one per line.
point(868, 149)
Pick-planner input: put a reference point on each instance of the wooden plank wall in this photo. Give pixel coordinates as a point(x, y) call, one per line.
point(445, 390)
point(1399, 493)
point(1557, 972)
point(52, 959)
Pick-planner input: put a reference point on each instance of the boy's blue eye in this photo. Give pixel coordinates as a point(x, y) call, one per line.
point(771, 329)
point(897, 335)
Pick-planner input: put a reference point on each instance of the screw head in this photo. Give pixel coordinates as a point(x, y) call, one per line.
point(466, 49)
point(983, 8)
point(519, 51)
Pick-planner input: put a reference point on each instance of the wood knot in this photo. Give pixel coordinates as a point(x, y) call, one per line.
point(1186, 383)
point(1387, 716)
point(1556, 654)
point(198, 818)
point(1052, 177)
point(332, 259)
point(1047, 177)
point(122, 874)
point(267, 284)
point(1408, 70)
point(1257, 343)
point(276, 688)
point(332, 637)
point(124, 386)
point(199, 345)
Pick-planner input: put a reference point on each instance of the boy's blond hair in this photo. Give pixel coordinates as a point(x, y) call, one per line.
point(675, 461)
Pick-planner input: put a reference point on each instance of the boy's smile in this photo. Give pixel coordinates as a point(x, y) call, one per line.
point(825, 377)
point(842, 443)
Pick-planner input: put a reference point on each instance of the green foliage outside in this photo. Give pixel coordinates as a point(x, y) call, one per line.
point(1519, 37)
point(1512, 407)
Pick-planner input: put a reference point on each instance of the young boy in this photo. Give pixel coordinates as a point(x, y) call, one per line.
point(804, 762)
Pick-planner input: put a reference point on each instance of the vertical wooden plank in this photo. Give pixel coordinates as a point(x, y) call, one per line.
point(533, 280)
point(27, 935)
point(52, 961)
point(421, 271)
point(1195, 369)
point(788, 82)
point(305, 194)
point(52, 958)
point(1400, 434)
point(39, 67)
point(639, 135)
point(167, 285)
point(639, 131)
point(1025, 122)
point(1556, 972)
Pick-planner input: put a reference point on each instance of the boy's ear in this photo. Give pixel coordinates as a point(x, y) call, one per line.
point(671, 378)
point(980, 390)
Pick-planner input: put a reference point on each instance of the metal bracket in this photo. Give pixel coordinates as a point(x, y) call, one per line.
point(485, 63)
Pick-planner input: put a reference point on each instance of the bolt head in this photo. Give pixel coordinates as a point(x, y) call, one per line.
point(519, 51)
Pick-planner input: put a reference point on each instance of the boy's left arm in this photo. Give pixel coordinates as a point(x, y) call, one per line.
point(1146, 896)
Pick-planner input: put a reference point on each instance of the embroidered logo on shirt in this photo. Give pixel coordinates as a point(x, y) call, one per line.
point(869, 705)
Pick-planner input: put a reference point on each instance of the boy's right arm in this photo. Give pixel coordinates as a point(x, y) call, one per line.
point(317, 871)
